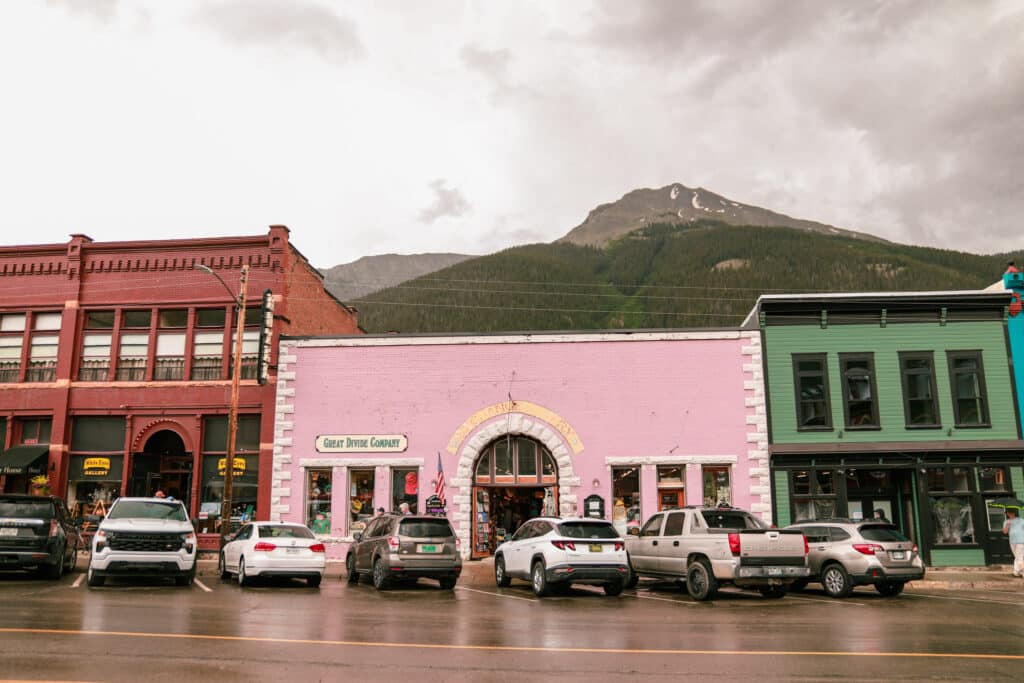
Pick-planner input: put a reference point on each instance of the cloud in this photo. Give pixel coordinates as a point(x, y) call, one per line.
point(447, 202)
point(288, 24)
point(101, 10)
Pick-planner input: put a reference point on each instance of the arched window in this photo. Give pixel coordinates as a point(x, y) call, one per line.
point(516, 460)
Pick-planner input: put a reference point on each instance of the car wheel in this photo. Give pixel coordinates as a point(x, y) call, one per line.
point(890, 588)
point(243, 579)
point(700, 581)
point(632, 578)
point(500, 576)
point(222, 567)
point(836, 581)
point(381, 580)
point(798, 585)
point(350, 568)
point(56, 570)
point(185, 580)
point(774, 592)
point(314, 581)
point(614, 588)
point(539, 579)
point(447, 582)
point(93, 579)
point(72, 560)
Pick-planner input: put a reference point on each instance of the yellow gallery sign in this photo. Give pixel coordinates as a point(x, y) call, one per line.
point(236, 471)
point(524, 408)
point(96, 467)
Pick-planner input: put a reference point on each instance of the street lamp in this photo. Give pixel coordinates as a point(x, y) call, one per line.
point(229, 463)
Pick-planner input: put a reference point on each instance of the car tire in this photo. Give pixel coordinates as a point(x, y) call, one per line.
point(93, 579)
point(890, 588)
point(243, 579)
point(613, 588)
point(447, 582)
point(836, 581)
point(314, 581)
point(798, 585)
point(381, 580)
point(222, 568)
point(632, 578)
point(350, 568)
point(539, 579)
point(72, 560)
point(501, 577)
point(701, 583)
point(186, 580)
point(56, 570)
point(773, 592)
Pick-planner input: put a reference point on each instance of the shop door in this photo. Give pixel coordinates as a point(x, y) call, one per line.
point(671, 499)
point(996, 544)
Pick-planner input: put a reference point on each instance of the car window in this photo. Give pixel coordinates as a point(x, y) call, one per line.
point(523, 532)
point(840, 534)
point(674, 524)
point(148, 509)
point(816, 534)
point(653, 526)
point(541, 528)
point(587, 530)
point(881, 532)
point(290, 531)
point(373, 528)
point(244, 533)
point(425, 528)
point(36, 509)
point(731, 519)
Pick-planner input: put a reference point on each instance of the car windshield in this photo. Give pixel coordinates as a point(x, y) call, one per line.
point(731, 519)
point(285, 532)
point(39, 509)
point(425, 528)
point(881, 532)
point(587, 530)
point(148, 510)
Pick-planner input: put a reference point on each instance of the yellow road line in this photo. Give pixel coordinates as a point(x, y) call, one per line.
point(509, 648)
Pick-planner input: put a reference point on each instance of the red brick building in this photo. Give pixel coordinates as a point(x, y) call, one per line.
point(116, 361)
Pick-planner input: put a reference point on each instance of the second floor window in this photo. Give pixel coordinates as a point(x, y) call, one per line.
point(970, 405)
point(810, 375)
point(42, 357)
point(12, 338)
point(131, 357)
point(859, 402)
point(920, 406)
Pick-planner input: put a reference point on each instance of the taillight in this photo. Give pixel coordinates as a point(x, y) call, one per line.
point(564, 545)
point(54, 528)
point(913, 549)
point(619, 545)
point(807, 547)
point(734, 544)
point(317, 548)
point(868, 548)
point(458, 542)
point(393, 542)
point(264, 546)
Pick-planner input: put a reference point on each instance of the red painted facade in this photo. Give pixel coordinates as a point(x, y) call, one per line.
point(128, 342)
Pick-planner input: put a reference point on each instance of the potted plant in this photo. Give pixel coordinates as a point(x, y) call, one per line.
point(39, 485)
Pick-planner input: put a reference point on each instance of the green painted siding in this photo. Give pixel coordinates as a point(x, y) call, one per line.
point(782, 517)
point(1017, 480)
point(782, 341)
point(967, 557)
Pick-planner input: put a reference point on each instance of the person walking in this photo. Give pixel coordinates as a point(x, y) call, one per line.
point(1014, 528)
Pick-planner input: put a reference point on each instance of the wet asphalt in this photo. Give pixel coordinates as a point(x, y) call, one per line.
point(150, 630)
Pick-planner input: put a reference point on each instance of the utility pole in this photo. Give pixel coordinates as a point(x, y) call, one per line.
point(236, 373)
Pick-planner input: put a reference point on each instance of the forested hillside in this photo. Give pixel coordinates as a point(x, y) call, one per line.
point(704, 274)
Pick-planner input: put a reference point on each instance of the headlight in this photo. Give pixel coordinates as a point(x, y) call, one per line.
point(189, 541)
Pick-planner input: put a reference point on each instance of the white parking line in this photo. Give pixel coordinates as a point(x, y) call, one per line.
point(202, 585)
point(674, 602)
point(78, 581)
point(825, 601)
point(497, 595)
point(951, 597)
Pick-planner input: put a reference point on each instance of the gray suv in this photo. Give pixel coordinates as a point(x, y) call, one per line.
point(847, 553)
point(395, 547)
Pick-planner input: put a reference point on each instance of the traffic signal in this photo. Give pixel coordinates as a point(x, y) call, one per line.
point(266, 336)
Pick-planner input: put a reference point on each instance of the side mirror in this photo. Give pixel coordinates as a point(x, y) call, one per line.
point(357, 536)
point(634, 531)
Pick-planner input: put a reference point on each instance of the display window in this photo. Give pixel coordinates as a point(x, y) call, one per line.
point(717, 481)
point(318, 500)
point(405, 488)
point(244, 476)
point(361, 505)
point(671, 487)
point(625, 498)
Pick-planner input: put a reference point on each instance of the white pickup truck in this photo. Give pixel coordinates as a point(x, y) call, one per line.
point(706, 547)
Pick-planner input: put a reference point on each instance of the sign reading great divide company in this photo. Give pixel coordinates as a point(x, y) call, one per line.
point(361, 443)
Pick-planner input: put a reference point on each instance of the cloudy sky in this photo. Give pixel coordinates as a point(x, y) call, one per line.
point(430, 125)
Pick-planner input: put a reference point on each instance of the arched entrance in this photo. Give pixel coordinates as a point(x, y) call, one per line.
point(162, 464)
point(514, 478)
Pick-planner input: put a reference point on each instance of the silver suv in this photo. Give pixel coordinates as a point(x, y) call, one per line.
point(847, 553)
point(395, 547)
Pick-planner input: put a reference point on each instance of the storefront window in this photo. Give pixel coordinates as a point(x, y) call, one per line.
point(717, 486)
point(361, 504)
point(813, 494)
point(244, 476)
point(318, 500)
point(951, 519)
point(993, 479)
point(625, 498)
point(405, 488)
point(671, 486)
point(96, 463)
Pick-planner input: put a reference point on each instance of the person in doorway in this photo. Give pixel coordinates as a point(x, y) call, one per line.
point(404, 509)
point(880, 515)
point(159, 494)
point(1014, 528)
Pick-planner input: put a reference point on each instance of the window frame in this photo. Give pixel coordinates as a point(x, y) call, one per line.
point(868, 356)
point(797, 358)
point(985, 419)
point(904, 377)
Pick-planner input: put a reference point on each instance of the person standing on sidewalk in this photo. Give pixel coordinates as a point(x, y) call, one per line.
point(1014, 528)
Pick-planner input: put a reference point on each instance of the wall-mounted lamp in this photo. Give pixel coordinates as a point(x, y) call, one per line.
point(596, 483)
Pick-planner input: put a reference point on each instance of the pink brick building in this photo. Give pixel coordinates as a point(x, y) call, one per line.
point(616, 424)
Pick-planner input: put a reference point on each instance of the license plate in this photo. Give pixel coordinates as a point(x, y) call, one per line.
point(8, 532)
point(427, 548)
point(774, 571)
point(596, 548)
point(292, 551)
point(898, 554)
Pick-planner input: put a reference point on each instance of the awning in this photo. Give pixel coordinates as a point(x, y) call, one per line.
point(24, 459)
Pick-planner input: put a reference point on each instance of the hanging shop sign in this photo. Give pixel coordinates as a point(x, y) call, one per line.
point(361, 443)
point(237, 471)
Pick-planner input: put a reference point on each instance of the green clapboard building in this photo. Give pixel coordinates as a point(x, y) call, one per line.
point(898, 405)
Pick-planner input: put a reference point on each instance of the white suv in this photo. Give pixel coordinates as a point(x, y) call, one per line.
point(144, 536)
point(551, 552)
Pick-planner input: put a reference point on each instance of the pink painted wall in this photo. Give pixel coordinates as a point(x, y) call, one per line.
point(661, 399)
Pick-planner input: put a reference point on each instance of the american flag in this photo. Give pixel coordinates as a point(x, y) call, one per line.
point(439, 486)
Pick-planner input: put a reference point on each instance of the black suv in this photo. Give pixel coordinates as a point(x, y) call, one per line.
point(36, 531)
point(397, 547)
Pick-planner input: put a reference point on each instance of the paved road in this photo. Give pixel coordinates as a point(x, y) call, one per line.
point(153, 631)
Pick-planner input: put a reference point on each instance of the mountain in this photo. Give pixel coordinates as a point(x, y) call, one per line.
point(705, 273)
point(353, 280)
point(680, 204)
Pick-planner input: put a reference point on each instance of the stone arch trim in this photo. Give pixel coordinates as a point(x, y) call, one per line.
point(151, 428)
point(514, 424)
